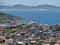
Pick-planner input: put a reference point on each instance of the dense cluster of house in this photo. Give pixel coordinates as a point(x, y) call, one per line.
point(33, 34)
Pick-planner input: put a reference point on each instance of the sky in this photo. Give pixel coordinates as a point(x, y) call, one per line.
point(30, 2)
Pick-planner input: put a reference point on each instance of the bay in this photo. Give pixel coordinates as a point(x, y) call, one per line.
point(41, 17)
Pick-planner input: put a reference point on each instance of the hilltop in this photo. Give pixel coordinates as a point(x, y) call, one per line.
point(7, 18)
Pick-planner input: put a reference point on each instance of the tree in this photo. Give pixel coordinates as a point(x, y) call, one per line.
point(17, 43)
point(2, 41)
point(40, 43)
point(26, 43)
point(52, 42)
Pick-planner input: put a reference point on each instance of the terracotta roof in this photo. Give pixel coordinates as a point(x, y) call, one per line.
point(0, 44)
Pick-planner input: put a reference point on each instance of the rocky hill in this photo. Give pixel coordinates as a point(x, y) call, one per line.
point(7, 18)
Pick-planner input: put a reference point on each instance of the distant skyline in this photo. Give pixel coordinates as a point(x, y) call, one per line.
point(30, 2)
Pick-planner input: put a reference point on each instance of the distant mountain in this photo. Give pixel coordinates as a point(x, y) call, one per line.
point(7, 18)
point(19, 7)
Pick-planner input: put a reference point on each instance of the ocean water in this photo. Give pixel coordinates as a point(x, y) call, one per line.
point(44, 17)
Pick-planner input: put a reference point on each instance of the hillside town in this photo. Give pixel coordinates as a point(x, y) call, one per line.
point(29, 34)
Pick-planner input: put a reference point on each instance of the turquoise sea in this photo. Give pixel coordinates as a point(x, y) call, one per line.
point(44, 17)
